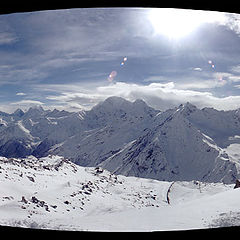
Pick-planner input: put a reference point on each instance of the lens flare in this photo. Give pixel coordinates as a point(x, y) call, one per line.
point(112, 75)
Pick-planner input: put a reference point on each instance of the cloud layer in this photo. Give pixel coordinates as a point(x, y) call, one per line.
point(158, 95)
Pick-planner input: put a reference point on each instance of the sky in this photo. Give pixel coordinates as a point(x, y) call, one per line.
point(74, 58)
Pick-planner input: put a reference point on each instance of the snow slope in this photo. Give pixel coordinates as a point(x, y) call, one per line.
point(54, 193)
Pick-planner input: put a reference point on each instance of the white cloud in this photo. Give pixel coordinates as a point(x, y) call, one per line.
point(164, 96)
point(227, 77)
point(236, 68)
point(197, 69)
point(213, 80)
point(158, 95)
point(27, 103)
point(236, 76)
point(197, 84)
point(159, 78)
point(21, 94)
point(13, 74)
point(233, 22)
point(7, 38)
point(23, 104)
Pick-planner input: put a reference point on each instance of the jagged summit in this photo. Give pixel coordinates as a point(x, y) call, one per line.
point(187, 105)
point(187, 108)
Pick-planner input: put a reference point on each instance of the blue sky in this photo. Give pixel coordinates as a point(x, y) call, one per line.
point(63, 58)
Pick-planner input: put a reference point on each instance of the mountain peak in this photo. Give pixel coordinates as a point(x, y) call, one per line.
point(118, 101)
point(187, 108)
point(139, 102)
point(115, 100)
point(19, 113)
point(189, 105)
point(34, 111)
point(37, 107)
point(112, 103)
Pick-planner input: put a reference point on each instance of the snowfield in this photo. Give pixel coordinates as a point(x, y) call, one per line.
point(54, 193)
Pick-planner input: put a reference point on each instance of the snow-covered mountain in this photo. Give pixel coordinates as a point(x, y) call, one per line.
point(54, 193)
point(174, 148)
point(131, 138)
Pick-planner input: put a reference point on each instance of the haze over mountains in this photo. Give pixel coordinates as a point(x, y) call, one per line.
point(130, 138)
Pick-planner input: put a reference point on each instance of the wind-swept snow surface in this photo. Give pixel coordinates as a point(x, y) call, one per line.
point(54, 193)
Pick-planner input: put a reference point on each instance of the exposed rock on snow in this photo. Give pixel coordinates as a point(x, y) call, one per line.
point(237, 184)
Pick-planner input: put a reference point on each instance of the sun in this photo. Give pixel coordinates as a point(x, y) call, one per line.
point(178, 23)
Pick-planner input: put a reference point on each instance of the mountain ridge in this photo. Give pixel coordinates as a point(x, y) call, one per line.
point(131, 138)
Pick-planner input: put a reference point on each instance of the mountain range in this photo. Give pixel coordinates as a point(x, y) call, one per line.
point(132, 139)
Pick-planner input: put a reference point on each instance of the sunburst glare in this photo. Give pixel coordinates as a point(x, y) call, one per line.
point(177, 23)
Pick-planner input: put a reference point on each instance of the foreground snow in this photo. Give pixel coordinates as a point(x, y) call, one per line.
point(53, 193)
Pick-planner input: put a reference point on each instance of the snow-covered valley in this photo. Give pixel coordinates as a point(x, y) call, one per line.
point(54, 193)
